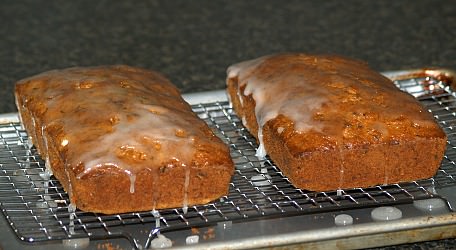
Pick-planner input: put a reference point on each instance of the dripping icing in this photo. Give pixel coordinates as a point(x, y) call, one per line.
point(316, 82)
point(261, 151)
point(156, 215)
point(271, 99)
point(298, 87)
point(158, 128)
point(161, 241)
point(138, 124)
point(47, 161)
point(71, 211)
point(162, 131)
point(186, 184)
point(132, 178)
point(280, 130)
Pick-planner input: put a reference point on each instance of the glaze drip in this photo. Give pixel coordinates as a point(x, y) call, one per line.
point(71, 211)
point(117, 138)
point(186, 184)
point(132, 183)
point(331, 123)
point(304, 88)
point(124, 121)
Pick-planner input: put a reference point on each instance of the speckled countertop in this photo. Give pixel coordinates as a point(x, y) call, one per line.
point(193, 42)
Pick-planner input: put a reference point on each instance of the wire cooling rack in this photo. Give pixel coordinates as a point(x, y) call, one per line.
point(37, 207)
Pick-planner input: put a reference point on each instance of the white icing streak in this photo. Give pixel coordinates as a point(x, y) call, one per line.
point(47, 161)
point(150, 136)
point(161, 242)
point(132, 182)
point(297, 101)
point(261, 151)
point(157, 216)
point(236, 69)
point(186, 184)
point(71, 211)
point(280, 130)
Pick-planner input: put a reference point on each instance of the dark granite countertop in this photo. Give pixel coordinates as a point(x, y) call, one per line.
point(193, 42)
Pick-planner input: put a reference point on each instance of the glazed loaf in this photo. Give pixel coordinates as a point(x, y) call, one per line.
point(330, 122)
point(122, 139)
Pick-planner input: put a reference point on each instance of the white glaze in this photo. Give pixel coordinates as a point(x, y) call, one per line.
point(161, 242)
point(132, 183)
point(280, 130)
point(47, 162)
point(71, 210)
point(271, 99)
point(297, 102)
point(261, 151)
point(433, 205)
point(386, 213)
point(186, 184)
point(150, 127)
point(80, 243)
point(64, 143)
point(29, 143)
point(297, 85)
point(156, 215)
point(343, 220)
point(235, 70)
point(192, 239)
point(261, 180)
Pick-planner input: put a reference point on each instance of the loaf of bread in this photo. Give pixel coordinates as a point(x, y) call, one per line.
point(122, 139)
point(331, 123)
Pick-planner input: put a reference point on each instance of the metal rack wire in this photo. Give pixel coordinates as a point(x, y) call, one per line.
point(37, 208)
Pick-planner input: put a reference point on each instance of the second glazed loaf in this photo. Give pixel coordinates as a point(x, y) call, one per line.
point(122, 139)
point(330, 122)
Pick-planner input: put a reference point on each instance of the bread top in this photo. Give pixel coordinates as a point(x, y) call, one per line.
point(116, 116)
point(317, 102)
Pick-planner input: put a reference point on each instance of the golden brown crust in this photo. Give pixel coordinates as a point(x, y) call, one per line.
point(122, 139)
point(364, 132)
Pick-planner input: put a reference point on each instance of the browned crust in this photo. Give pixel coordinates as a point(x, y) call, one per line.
point(107, 189)
point(313, 161)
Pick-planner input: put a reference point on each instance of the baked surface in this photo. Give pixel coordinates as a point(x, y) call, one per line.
point(122, 139)
point(330, 122)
